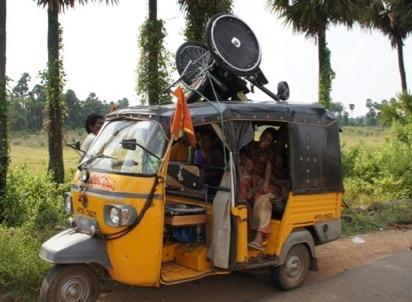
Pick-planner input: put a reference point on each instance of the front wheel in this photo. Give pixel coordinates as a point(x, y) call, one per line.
point(70, 283)
point(293, 272)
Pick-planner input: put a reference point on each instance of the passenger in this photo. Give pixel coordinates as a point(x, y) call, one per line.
point(262, 191)
point(261, 152)
point(181, 150)
point(211, 158)
point(94, 123)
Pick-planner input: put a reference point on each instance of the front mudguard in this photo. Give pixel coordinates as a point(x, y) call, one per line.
point(69, 247)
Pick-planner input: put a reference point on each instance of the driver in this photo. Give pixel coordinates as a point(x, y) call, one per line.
point(94, 123)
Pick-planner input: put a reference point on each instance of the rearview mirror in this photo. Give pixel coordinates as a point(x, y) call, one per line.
point(283, 90)
point(129, 144)
point(75, 146)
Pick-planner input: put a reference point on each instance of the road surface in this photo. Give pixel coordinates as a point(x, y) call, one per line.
point(387, 279)
point(339, 262)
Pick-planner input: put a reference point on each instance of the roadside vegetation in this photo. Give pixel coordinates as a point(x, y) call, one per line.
point(378, 178)
point(30, 213)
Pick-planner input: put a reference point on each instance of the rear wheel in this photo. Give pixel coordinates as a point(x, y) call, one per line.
point(293, 272)
point(70, 283)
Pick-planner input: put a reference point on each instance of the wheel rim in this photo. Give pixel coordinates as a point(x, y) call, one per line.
point(74, 289)
point(294, 267)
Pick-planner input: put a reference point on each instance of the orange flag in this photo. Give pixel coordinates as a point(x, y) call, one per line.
point(182, 120)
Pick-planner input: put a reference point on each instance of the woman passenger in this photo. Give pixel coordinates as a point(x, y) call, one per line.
point(261, 190)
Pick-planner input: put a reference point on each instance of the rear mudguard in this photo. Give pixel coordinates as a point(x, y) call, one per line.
point(300, 237)
point(70, 246)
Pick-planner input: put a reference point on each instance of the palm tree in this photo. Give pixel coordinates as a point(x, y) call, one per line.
point(4, 147)
point(394, 19)
point(313, 18)
point(55, 83)
point(198, 12)
point(351, 107)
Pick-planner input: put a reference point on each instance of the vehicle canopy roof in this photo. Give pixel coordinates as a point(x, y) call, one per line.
point(314, 148)
point(212, 112)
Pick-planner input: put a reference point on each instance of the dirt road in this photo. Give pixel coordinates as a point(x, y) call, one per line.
point(383, 280)
point(333, 258)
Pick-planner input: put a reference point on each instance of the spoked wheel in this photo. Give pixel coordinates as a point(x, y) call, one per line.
point(70, 283)
point(293, 272)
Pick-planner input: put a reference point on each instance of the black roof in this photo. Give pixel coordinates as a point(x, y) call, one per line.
point(211, 112)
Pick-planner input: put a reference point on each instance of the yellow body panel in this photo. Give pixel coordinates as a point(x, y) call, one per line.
point(135, 257)
point(240, 212)
point(274, 236)
point(302, 211)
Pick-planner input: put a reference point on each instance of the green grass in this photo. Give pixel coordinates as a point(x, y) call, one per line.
point(31, 149)
point(377, 216)
point(371, 136)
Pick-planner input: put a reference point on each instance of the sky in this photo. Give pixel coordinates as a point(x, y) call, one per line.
point(100, 51)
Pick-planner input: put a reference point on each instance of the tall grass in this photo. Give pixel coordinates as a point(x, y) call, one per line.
point(30, 212)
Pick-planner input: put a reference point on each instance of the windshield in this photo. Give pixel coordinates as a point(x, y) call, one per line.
point(107, 152)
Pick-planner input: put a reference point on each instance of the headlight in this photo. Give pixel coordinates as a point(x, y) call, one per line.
point(68, 202)
point(114, 216)
point(119, 215)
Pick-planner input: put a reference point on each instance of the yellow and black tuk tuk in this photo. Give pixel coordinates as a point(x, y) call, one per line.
point(147, 220)
point(127, 201)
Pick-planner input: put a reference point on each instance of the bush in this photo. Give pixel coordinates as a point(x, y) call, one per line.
point(31, 212)
point(33, 201)
point(384, 173)
point(21, 269)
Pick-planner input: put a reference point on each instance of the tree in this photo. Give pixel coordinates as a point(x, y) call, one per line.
point(371, 116)
point(398, 109)
point(337, 108)
point(313, 18)
point(22, 87)
point(54, 83)
point(394, 19)
point(92, 104)
point(153, 69)
point(345, 118)
point(198, 13)
point(73, 109)
point(351, 108)
point(122, 103)
point(4, 145)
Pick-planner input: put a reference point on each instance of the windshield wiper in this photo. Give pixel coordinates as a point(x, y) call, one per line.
point(89, 161)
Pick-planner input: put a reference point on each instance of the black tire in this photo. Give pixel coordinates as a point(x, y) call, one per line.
point(293, 272)
point(70, 283)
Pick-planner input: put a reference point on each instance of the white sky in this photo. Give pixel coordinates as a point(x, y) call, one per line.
point(101, 53)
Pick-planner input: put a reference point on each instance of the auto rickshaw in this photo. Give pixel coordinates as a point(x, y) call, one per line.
point(147, 221)
point(124, 210)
